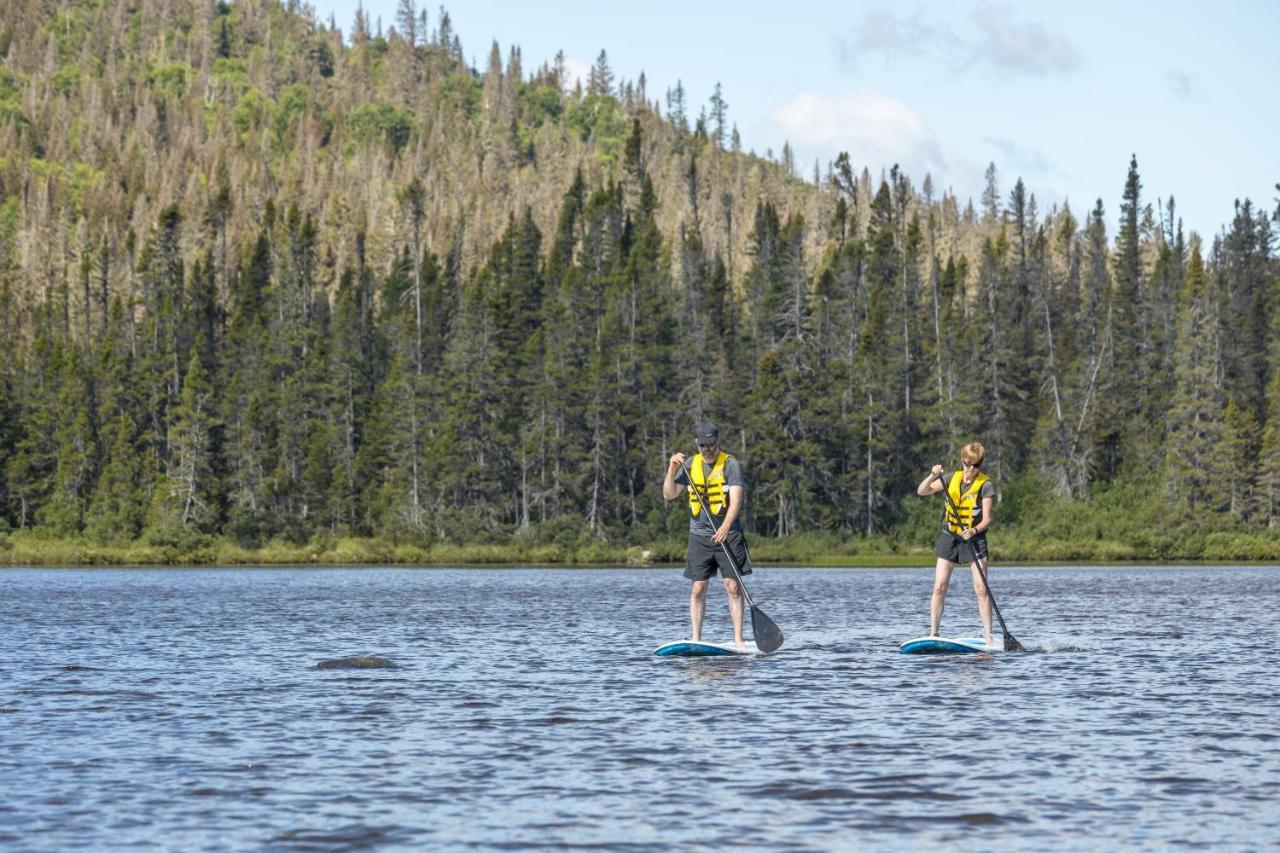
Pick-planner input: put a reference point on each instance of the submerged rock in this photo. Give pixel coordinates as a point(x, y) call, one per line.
point(358, 662)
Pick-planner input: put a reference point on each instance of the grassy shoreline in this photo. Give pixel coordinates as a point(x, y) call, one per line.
point(807, 550)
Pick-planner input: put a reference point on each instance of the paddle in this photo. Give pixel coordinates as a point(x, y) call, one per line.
point(1011, 643)
point(768, 635)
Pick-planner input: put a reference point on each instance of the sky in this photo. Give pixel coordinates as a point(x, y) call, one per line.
point(1060, 95)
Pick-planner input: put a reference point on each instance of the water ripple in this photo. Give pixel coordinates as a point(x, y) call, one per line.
point(314, 709)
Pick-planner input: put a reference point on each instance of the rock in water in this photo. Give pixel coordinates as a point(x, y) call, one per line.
point(359, 662)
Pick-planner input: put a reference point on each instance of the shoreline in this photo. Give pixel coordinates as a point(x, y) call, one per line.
point(812, 550)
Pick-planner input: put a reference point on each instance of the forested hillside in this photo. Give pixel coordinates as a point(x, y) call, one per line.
point(267, 280)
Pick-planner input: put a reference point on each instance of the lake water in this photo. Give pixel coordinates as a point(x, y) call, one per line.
point(184, 709)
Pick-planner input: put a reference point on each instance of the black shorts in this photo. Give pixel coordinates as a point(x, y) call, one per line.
point(953, 549)
point(704, 556)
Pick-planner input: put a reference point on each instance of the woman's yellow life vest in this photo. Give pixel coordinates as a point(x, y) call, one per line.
point(962, 507)
point(712, 489)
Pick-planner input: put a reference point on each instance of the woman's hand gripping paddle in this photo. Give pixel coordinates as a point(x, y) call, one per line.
point(768, 635)
point(1011, 643)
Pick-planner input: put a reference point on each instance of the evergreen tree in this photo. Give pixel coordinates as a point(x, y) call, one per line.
point(1131, 357)
point(1196, 475)
point(33, 460)
point(74, 437)
point(719, 119)
point(187, 495)
point(118, 508)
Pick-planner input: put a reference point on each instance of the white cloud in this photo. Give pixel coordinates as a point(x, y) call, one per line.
point(1027, 48)
point(1180, 83)
point(999, 42)
point(875, 130)
point(576, 71)
point(1025, 162)
point(882, 32)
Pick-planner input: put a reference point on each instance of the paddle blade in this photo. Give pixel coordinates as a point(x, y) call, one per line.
point(768, 635)
point(1011, 644)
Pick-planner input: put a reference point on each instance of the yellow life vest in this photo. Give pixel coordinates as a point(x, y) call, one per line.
point(962, 507)
point(712, 488)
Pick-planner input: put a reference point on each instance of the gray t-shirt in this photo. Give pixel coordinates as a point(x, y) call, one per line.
point(988, 490)
point(732, 477)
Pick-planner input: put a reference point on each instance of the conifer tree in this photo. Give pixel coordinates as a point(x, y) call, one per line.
point(1269, 456)
point(33, 460)
point(187, 496)
point(118, 507)
point(1195, 460)
point(600, 79)
point(719, 119)
point(74, 438)
point(1242, 259)
point(1130, 360)
point(645, 356)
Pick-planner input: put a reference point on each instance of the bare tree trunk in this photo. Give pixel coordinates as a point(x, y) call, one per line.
point(870, 486)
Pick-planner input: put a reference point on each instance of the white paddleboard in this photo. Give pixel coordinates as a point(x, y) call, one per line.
point(698, 649)
point(950, 646)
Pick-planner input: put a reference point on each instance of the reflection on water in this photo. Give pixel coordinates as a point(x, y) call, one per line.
point(390, 707)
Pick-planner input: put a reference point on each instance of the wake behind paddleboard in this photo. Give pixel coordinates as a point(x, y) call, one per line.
point(948, 646)
point(698, 649)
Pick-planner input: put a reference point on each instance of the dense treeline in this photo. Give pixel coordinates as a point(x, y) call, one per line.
point(261, 282)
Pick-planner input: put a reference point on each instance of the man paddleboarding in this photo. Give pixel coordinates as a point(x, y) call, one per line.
point(969, 497)
point(717, 477)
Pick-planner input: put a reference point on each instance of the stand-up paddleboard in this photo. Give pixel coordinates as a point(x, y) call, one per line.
point(698, 649)
point(949, 646)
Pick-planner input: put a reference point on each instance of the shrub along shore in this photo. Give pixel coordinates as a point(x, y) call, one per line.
point(1022, 546)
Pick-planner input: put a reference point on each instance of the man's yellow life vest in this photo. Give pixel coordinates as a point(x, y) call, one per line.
point(962, 507)
point(712, 488)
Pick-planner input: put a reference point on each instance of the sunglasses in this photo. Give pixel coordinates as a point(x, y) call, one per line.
point(702, 446)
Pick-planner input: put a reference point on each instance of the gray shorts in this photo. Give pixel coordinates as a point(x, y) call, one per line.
point(953, 549)
point(705, 556)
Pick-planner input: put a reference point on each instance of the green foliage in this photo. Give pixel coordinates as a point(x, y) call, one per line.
point(289, 110)
point(67, 79)
point(251, 112)
point(462, 92)
point(170, 79)
point(232, 73)
point(10, 85)
point(598, 118)
point(377, 339)
point(382, 122)
point(10, 215)
point(321, 55)
point(11, 113)
point(541, 105)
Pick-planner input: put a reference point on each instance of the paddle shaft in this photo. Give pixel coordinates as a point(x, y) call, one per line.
point(981, 573)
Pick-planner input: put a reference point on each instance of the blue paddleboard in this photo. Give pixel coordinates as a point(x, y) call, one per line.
point(949, 646)
point(698, 649)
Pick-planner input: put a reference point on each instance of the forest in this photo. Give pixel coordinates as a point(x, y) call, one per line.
point(273, 291)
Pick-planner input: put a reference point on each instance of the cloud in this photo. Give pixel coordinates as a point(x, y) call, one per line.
point(881, 32)
point(1025, 162)
point(875, 130)
point(576, 71)
point(998, 42)
point(1029, 48)
point(1180, 83)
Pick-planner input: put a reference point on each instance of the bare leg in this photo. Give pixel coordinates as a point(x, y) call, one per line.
point(734, 589)
point(697, 607)
point(984, 600)
point(941, 580)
